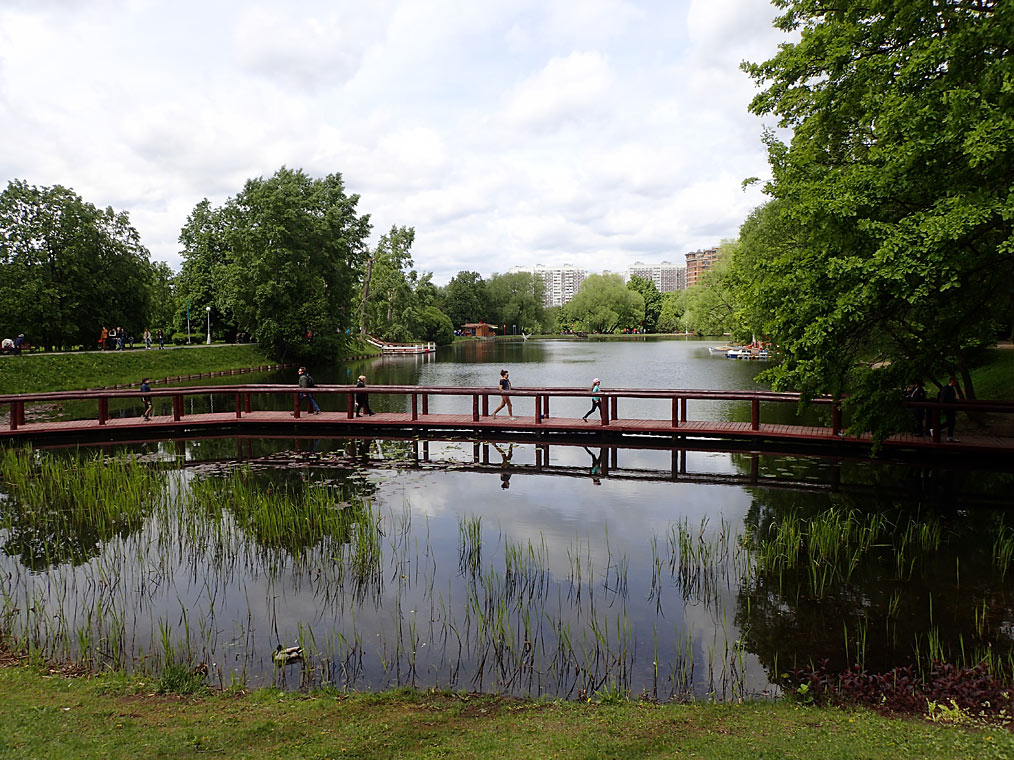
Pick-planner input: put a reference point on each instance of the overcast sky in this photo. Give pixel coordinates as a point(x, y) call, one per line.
point(506, 132)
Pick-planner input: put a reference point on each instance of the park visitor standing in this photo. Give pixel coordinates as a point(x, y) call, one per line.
point(948, 395)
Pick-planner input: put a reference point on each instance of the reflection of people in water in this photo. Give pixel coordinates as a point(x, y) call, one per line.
point(505, 476)
point(596, 466)
point(361, 449)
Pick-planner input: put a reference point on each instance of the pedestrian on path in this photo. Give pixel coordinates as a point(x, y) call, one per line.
point(362, 398)
point(948, 395)
point(306, 382)
point(146, 399)
point(161, 340)
point(505, 400)
point(147, 338)
point(596, 400)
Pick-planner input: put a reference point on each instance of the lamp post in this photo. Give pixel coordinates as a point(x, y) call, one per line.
point(208, 309)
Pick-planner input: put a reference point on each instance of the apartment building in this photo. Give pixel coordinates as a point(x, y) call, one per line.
point(699, 262)
point(667, 276)
point(560, 283)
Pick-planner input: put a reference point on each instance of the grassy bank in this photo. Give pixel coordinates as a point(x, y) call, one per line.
point(995, 379)
point(47, 715)
point(33, 373)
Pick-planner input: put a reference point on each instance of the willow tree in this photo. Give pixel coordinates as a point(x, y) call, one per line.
point(896, 190)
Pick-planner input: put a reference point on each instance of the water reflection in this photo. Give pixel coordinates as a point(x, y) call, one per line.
point(505, 566)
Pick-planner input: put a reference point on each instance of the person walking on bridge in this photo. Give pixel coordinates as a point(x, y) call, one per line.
point(146, 399)
point(362, 398)
point(505, 400)
point(596, 400)
point(305, 383)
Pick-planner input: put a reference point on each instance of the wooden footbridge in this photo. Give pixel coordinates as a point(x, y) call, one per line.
point(95, 415)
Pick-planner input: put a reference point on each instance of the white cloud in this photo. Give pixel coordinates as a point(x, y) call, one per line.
point(592, 132)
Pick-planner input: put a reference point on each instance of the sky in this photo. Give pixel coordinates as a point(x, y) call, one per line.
point(594, 133)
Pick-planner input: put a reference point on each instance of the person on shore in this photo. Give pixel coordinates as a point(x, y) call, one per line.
point(103, 338)
point(918, 393)
point(120, 335)
point(948, 395)
point(306, 382)
point(146, 399)
point(505, 400)
point(596, 400)
point(161, 339)
point(362, 398)
point(147, 339)
point(19, 343)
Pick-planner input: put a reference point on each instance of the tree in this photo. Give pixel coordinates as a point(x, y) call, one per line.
point(895, 190)
point(436, 326)
point(201, 280)
point(465, 300)
point(652, 301)
point(670, 318)
point(295, 247)
point(162, 304)
point(389, 305)
point(604, 304)
point(711, 305)
point(67, 267)
point(515, 301)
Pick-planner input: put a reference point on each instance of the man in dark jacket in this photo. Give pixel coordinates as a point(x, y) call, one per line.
point(305, 382)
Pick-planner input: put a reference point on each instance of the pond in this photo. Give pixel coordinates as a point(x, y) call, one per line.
point(506, 567)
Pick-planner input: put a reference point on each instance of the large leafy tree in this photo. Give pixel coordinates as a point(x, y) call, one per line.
point(514, 301)
point(67, 267)
point(389, 308)
point(895, 191)
point(201, 280)
point(464, 299)
point(604, 304)
point(652, 301)
point(280, 259)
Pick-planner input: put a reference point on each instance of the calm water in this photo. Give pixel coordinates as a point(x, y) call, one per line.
point(519, 569)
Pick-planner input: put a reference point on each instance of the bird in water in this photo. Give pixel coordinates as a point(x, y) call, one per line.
point(285, 655)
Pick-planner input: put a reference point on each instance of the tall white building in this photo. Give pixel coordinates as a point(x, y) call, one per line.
point(667, 276)
point(560, 283)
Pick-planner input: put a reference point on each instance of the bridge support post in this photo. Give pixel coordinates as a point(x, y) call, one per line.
point(246, 403)
point(415, 406)
point(103, 410)
point(613, 406)
point(296, 405)
point(836, 418)
point(13, 423)
point(350, 406)
point(239, 405)
point(538, 410)
point(675, 411)
point(475, 407)
point(425, 404)
point(177, 408)
point(755, 414)
point(485, 405)
point(545, 405)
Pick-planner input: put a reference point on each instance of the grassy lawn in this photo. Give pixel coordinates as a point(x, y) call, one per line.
point(995, 379)
point(33, 373)
point(47, 715)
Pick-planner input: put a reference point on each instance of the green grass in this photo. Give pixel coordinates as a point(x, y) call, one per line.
point(995, 379)
point(46, 715)
point(73, 371)
point(36, 373)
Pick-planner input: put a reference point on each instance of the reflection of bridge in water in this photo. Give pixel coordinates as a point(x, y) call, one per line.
point(915, 481)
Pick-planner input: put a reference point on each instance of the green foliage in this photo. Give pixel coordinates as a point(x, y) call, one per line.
point(436, 326)
point(280, 259)
point(670, 318)
point(67, 268)
point(177, 678)
point(393, 295)
point(604, 304)
point(711, 304)
point(464, 299)
point(887, 255)
point(514, 300)
point(652, 301)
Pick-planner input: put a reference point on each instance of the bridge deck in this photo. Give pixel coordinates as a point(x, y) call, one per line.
point(340, 423)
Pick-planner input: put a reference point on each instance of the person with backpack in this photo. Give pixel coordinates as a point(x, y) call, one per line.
point(306, 382)
point(146, 399)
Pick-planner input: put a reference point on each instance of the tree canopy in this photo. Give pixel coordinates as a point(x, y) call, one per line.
point(514, 300)
point(652, 301)
point(604, 304)
point(886, 253)
point(67, 267)
point(282, 260)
